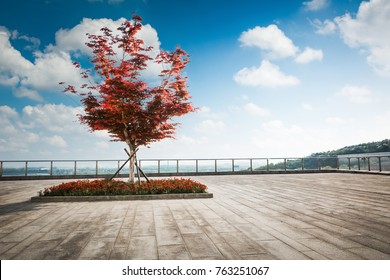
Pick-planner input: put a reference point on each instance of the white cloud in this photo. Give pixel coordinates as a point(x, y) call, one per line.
point(315, 5)
point(190, 140)
point(369, 30)
point(270, 39)
point(256, 110)
point(267, 75)
point(103, 134)
point(26, 77)
point(325, 27)
point(55, 64)
point(277, 45)
point(356, 94)
point(31, 137)
point(46, 130)
point(50, 69)
point(204, 110)
point(8, 116)
point(308, 55)
point(278, 127)
point(6, 111)
point(275, 138)
point(210, 127)
point(55, 118)
point(307, 107)
point(336, 120)
point(73, 40)
point(56, 141)
point(29, 93)
point(12, 63)
point(34, 42)
point(102, 145)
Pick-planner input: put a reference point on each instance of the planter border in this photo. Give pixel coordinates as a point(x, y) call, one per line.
point(120, 197)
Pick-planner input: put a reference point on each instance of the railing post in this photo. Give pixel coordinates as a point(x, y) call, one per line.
point(319, 163)
point(196, 164)
point(267, 164)
point(358, 163)
point(251, 165)
point(25, 168)
point(97, 168)
point(1, 168)
point(233, 164)
point(75, 168)
point(158, 166)
point(337, 163)
point(303, 163)
point(368, 164)
point(51, 168)
point(380, 164)
point(215, 166)
point(177, 166)
point(349, 163)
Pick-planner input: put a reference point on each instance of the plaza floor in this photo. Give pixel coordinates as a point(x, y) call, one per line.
point(288, 216)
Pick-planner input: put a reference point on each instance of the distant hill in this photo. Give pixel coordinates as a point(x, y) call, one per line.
point(371, 147)
point(330, 161)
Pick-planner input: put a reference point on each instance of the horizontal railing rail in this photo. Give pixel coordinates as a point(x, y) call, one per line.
point(171, 167)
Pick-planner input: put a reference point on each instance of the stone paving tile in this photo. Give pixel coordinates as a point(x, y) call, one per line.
point(97, 249)
point(329, 250)
point(143, 227)
point(180, 214)
point(213, 234)
point(162, 211)
point(37, 250)
point(282, 251)
point(14, 225)
point(241, 244)
point(19, 247)
point(373, 243)
point(20, 234)
point(123, 237)
point(255, 233)
point(227, 251)
point(265, 256)
point(201, 247)
point(369, 253)
point(4, 247)
point(173, 252)
point(70, 247)
point(188, 226)
point(118, 253)
point(168, 236)
point(315, 255)
point(161, 221)
point(142, 248)
point(333, 238)
point(221, 225)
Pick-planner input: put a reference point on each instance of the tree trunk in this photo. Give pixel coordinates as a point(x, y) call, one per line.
point(132, 154)
point(132, 160)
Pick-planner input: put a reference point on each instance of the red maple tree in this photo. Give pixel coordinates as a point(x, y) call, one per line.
point(122, 102)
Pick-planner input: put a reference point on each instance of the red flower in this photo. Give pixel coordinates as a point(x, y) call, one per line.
point(104, 187)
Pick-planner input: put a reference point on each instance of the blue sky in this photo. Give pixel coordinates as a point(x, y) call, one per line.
point(270, 78)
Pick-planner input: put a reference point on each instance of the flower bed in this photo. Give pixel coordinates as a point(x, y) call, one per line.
point(116, 187)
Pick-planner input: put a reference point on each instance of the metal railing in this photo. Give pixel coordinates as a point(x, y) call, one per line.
point(176, 167)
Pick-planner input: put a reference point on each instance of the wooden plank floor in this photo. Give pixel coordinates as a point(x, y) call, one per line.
point(296, 216)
